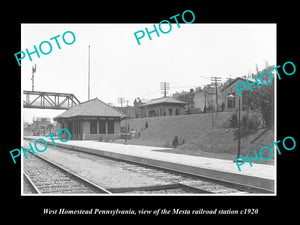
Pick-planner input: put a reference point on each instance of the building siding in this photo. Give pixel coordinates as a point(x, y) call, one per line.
point(230, 89)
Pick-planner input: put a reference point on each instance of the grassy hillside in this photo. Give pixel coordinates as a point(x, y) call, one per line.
point(162, 130)
point(200, 138)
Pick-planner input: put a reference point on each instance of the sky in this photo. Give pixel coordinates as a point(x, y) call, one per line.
point(186, 57)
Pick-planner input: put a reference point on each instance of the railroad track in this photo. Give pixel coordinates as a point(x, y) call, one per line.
point(58, 179)
point(29, 186)
point(55, 184)
point(61, 180)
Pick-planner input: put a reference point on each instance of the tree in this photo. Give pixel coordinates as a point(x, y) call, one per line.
point(261, 100)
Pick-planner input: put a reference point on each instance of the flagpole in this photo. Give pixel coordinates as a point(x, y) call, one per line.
point(89, 77)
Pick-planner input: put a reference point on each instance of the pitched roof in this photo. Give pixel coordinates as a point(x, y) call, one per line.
point(163, 100)
point(233, 81)
point(93, 107)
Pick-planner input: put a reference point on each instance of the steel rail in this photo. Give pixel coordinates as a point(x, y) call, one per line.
point(89, 184)
point(160, 187)
point(34, 189)
point(240, 187)
point(193, 189)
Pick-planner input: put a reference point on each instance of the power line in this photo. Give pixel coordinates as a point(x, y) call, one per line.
point(204, 77)
point(162, 89)
point(149, 93)
point(185, 86)
point(170, 88)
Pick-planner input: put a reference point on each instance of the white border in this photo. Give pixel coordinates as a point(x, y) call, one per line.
point(188, 195)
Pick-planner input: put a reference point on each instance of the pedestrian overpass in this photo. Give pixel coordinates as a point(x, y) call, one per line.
point(49, 100)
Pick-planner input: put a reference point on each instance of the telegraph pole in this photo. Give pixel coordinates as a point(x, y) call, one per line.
point(32, 78)
point(89, 76)
point(229, 79)
point(121, 101)
point(126, 130)
point(216, 81)
point(164, 87)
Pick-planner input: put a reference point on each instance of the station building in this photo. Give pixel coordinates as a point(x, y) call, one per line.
point(91, 120)
point(162, 107)
point(231, 104)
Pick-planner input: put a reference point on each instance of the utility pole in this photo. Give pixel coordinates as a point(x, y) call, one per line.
point(126, 124)
point(229, 79)
point(89, 76)
point(32, 78)
point(127, 106)
point(121, 101)
point(216, 81)
point(205, 101)
point(164, 87)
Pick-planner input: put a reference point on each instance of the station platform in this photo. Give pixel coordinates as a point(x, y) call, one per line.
point(259, 176)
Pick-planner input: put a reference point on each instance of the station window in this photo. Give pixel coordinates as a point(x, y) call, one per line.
point(102, 127)
point(93, 127)
point(110, 127)
point(231, 101)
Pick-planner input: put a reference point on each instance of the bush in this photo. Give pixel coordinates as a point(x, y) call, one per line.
point(253, 122)
point(262, 101)
point(175, 142)
point(233, 121)
point(250, 122)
